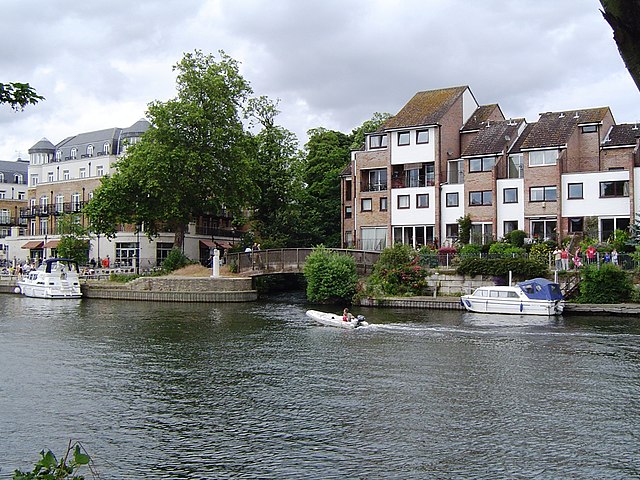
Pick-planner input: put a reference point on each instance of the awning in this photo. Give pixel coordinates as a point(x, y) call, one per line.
point(33, 244)
point(207, 243)
point(212, 244)
point(52, 244)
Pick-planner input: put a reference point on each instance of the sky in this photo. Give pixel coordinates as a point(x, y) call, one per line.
point(329, 63)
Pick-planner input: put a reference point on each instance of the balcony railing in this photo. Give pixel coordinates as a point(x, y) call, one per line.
point(374, 187)
point(55, 209)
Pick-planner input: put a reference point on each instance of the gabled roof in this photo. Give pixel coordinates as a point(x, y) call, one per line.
point(425, 108)
point(516, 147)
point(623, 135)
point(553, 129)
point(480, 116)
point(493, 137)
point(346, 171)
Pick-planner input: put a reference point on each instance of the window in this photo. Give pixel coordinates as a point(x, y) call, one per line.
point(481, 233)
point(3, 194)
point(412, 178)
point(59, 203)
point(347, 211)
point(455, 171)
point(22, 195)
point(576, 224)
point(383, 204)
point(74, 153)
point(366, 205)
point(430, 173)
point(589, 128)
point(377, 141)
point(619, 188)
point(90, 150)
point(373, 238)
point(65, 175)
point(404, 138)
point(510, 226)
point(75, 202)
point(574, 190)
point(422, 200)
point(452, 230)
point(44, 226)
point(480, 198)
point(516, 168)
point(543, 229)
point(452, 199)
point(49, 176)
point(1, 177)
point(106, 148)
point(484, 164)
point(100, 173)
point(610, 225)
point(403, 201)
point(348, 239)
point(162, 251)
point(58, 155)
point(18, 178)
point(83, 172)
point(415, 235)
point(127, 254)
point(348, 187)
point(422, 136)
point(543, 157)
point(374, 180)
point(510, 195)
point(543, 194)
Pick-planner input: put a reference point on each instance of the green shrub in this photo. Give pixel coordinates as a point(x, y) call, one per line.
point(521, 268)
point(399, 271)
point(607, 284)
point(470, 250)
point(175, 260)
point(505, 250)
point(50, 468)
point(516, 238)
point(331, 277)
point(540, 252)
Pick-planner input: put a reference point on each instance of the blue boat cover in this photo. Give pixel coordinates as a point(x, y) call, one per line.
point(541, 289)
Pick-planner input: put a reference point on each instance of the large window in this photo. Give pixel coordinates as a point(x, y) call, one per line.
point(484, 164)
point(576, 224)
point(481, 233)
point(543, 157)
point(510, 226)
point(543, 229)
point(452, 199)
point(610, 225)
point(619, 188)
point(373, 238)
point(455, 171)
point(412, 178)
point(127, 254)
point(430, 173)
point(374, 180)
point(510, 195)
point(415, 235)
point(480, 198)
point(543, 194)
point(366, 205)
point(574, 191)
point(377, 141)
point(162, 251)
point(452, 230)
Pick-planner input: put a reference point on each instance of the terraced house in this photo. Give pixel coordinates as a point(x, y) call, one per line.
point(444, 156)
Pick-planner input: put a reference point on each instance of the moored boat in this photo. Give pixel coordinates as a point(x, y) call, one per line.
point(55, 278)
point(333, 320)
point(537, 296)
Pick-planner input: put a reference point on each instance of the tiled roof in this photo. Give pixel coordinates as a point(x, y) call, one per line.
point(346, 171)
point(10, 168)
point(493, 137)
point(553, 129)
point(622, 135)
point(517, 147)
point(479, 117)
point(425, 108)
point(43, 145)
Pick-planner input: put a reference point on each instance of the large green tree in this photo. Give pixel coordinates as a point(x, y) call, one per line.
point(368, 126)
point(327, 154)
point(193, 160)
point(624, 18)
point(18, 95)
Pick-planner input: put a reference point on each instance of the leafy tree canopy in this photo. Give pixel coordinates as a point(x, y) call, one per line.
point(624, 18)
point(18, 95)
point(193, 160)
point(369, 126)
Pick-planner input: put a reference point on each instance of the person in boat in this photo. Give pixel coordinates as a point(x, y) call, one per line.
point(346, 315)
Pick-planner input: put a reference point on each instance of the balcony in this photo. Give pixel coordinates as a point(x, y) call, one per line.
point(373, 187)
point(56, 209)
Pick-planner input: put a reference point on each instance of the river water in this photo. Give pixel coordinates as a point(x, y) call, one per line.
point(257, 391)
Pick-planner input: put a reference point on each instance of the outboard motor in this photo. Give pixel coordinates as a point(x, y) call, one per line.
point(360, 319)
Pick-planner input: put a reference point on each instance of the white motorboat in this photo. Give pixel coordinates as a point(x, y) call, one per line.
point(333, 320)
point(55, 278)
point(538, 296)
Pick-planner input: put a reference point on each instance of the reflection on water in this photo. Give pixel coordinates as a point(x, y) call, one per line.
point(258, 390)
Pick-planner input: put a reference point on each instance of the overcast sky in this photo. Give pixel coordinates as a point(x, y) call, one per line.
point(331, 63)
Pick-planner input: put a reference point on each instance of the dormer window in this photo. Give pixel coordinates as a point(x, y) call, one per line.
point(1, 177)
point(589, 128)
point(74, 153)
point(90, 150)
point(106, 149)
point(377, 141)
point(18, 178)
point(58, 155)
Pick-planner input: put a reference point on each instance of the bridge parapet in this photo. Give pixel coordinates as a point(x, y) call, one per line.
point(291, 260)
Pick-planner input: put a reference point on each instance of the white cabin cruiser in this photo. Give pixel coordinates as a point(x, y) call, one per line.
point(333, 320)
point(55, 278)
point(538, 296)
